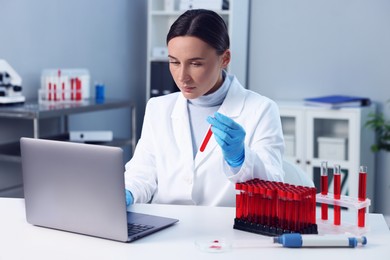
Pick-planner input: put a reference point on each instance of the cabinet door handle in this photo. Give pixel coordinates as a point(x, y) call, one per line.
point(298, 161)
point(308, 162)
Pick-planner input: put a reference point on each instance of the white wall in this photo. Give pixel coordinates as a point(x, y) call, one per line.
point(107, 37)
point(304, 48)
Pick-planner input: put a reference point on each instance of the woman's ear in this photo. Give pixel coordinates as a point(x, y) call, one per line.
point(226, 59)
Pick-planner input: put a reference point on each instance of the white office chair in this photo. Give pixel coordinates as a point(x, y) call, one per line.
point(295, 175)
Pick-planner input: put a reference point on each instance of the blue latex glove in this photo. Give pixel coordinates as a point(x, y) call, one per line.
point(129, 197)
point(230, 136)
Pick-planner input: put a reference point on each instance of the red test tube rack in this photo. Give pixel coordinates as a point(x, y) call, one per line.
point(359, 205)
point(274, 208)
point(354, 204)
point(64, 86)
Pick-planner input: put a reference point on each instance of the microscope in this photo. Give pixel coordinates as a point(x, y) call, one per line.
point(10, 85)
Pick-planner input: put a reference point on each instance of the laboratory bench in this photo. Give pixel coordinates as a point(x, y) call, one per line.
point(34, 111)
point(20, 240)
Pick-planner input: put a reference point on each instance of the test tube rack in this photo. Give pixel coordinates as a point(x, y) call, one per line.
point(353, 205)
point(274, 208)
point(64, 86)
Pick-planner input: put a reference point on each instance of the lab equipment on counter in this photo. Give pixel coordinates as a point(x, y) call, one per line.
point(10, 85)
point(273, 208)
point(358, 205)
point(91, 136)
point(291, 240)
point(99, 92)
point(295, 240)
point(64, 85)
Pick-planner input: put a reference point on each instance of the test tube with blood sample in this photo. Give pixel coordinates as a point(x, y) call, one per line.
point(324, 189)
point(337, 193)
point(362, 194)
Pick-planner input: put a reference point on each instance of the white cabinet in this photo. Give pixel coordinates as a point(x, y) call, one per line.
point(315, 134)
point(161, 15)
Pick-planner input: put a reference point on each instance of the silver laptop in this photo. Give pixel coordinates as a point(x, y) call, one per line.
point(80, 188)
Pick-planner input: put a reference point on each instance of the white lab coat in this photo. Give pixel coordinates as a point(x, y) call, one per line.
point(163, 169)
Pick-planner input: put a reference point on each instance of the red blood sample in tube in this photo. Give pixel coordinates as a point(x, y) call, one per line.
point(282, 208)
point(262, 203)
point(337, 192)
point(238, 201)
point(362, 194)
point(72, 88)
point(206, 140)
point(268, 205)
point(313, 205)
point(78, 89)
point(251, 203)
point(55, 92)
point(244, 200)
point(257, 202)
point(289, 210)
point(49, 91)
point(324, 189)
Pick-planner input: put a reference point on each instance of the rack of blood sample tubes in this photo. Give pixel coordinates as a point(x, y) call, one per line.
point(274, 208)
point(360, 204)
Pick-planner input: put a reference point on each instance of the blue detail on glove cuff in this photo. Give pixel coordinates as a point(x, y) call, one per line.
point(237, 162)
point(129, 197)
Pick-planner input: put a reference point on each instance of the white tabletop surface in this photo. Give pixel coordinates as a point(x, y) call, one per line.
point(20, 240)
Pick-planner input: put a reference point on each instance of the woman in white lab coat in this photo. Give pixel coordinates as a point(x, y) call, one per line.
point(247, 141)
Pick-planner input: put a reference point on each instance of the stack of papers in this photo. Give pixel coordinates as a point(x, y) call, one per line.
point(338, 101)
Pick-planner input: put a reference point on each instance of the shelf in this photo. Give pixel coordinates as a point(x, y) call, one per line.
point(179, 12)
point(11, 151)
point(34, 110)
point(152, 59)
point(162, 16)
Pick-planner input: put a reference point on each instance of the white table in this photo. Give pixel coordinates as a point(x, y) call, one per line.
point(20, 240)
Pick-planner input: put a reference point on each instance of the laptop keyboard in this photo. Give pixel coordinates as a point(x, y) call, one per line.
point(133, 228)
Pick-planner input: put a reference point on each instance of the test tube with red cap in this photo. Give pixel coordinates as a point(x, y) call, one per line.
point(362, 193)
point(324, 189)
point(337, 193)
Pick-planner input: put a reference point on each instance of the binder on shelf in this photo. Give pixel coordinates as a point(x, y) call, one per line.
point(161, 81)
point(338, 101)
point(155, 79)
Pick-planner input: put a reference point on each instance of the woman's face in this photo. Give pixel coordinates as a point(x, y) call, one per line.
point(195, 66)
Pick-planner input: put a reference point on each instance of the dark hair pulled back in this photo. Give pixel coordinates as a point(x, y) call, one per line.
point(203, 24)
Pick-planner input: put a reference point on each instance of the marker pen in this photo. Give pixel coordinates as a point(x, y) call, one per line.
point(296, 240)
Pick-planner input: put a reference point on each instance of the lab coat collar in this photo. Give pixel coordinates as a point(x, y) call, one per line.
point(234, 102)
point(232, 107)
point(181, 127)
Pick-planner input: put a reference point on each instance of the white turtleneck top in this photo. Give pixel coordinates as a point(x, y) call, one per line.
point(202, 107)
